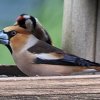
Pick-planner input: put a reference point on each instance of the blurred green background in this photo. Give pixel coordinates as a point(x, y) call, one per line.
point(49, 12)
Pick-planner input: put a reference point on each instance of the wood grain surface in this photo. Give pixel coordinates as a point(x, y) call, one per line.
point(85, 87)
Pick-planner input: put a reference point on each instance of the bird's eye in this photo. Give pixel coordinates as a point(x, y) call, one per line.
point(13, 33)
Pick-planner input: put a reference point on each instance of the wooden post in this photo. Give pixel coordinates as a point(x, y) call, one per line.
point(97, 57)
point(79, 28)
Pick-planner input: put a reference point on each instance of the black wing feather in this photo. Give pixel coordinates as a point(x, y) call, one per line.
point(68, 59)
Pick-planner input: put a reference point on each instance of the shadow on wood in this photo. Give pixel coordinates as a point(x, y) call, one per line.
point(10, 70)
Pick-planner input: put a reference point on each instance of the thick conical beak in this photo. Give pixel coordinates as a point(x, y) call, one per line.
point(4, 38)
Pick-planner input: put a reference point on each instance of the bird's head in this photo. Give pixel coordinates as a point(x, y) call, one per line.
point(26, 21)
point(15, 37)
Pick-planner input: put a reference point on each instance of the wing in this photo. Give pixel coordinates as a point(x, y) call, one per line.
point(42, 47)
point(68, 59)
point(47, 54)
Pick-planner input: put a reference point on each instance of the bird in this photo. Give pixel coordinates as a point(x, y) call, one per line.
point(35, 57)
point(33, 25)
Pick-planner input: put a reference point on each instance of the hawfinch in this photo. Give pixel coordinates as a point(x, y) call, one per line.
point(33, 25)
point(35, 57)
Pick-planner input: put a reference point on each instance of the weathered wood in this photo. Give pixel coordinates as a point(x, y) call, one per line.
point(51, 88)
point(79, 27)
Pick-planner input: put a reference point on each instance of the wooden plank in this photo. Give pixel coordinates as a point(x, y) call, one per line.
point(79, 27)
point(51, 88)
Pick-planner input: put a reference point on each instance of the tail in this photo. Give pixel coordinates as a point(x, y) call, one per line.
point(84, 62)
point(89, 65)
point(77, 61)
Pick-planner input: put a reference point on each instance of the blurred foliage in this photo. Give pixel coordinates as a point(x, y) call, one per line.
point(49, 13)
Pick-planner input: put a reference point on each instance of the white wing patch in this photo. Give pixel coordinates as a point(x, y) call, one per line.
point(46, 56)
